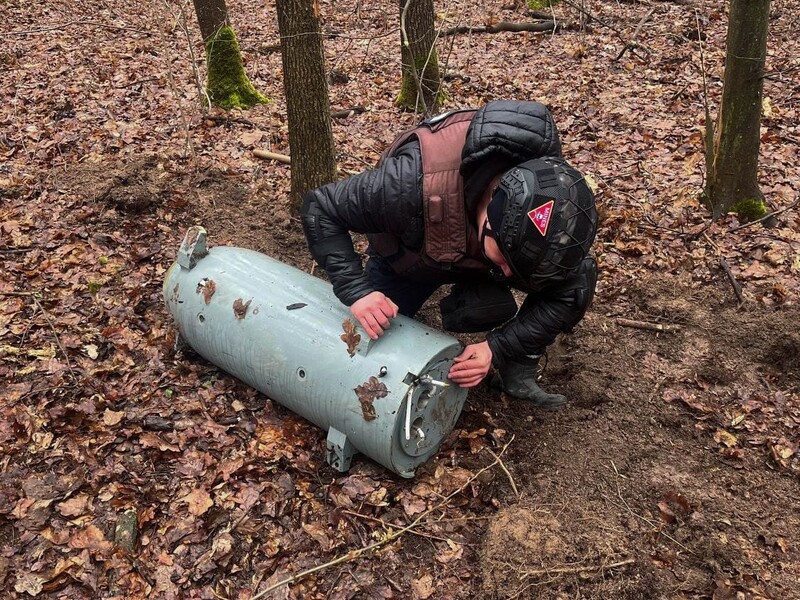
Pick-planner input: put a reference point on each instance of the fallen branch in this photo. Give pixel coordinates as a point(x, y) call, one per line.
point(226, 120)
point(353, 554)
point(735, 284)
point(272, 156)
point(537, 27)
point(55, 334)
point(348, 112)
point(63, 26)
point(631, 44)
point(390, 525)
point(647, 326)
point(506, 471)
point(576, 569)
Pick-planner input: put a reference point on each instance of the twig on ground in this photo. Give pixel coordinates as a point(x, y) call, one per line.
point(592, 17)
point(647, 326)
point(631, 44)
point(656, 387)
point(506, 471)
point(735, 284)
point(226, 120)
point(577, 568)
point(638, 516)
point(385, 524)
point(69, 24)
point(140, 81)
point(58, 340)
point(353, 554)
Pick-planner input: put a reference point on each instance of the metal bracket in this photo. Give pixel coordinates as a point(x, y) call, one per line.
point(193, 247)
point(340, 450)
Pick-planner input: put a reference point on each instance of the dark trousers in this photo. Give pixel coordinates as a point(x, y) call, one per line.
point(409, 294)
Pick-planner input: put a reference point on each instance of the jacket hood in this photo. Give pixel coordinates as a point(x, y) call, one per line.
point(503, 134)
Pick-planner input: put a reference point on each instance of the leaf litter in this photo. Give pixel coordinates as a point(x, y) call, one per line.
point(105, 164)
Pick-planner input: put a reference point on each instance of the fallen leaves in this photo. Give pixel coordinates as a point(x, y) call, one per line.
point(198, 501)
point(75, 506)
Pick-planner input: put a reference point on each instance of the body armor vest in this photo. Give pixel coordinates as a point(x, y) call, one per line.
point(451, 240)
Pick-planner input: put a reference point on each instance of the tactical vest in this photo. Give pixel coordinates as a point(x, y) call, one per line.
point(451, 241)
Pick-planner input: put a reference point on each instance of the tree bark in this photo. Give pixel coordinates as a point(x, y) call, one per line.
point(212, 16)
point(420, 90)
point(732, 158)
point(307, 104)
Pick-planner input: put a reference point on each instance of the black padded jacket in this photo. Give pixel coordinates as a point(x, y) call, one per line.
point(388, 199)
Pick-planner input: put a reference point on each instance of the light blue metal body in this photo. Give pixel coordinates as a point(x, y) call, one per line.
point(284, 332)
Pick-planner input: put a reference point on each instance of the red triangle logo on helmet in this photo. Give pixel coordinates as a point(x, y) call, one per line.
point(541, 216)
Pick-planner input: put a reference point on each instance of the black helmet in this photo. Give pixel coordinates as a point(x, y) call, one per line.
point(543, 217)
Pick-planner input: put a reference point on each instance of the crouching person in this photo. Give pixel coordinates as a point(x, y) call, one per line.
point(481, 199)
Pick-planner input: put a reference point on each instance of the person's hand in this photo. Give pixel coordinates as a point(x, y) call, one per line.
point(472, 365)
point(373, 311)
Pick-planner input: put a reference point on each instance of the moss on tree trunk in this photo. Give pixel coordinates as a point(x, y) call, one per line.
point(228, 85)
point(425, 74)
point(732, 144)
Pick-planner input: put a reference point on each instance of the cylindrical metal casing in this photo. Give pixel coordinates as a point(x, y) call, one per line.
point(283, 332)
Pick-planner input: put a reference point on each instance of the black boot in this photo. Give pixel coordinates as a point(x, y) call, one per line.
point(519, 379)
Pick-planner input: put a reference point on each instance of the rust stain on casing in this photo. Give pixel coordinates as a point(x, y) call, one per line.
point(240, 307)
point(207, 287)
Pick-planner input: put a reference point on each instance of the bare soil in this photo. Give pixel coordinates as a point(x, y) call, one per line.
point(673, 470)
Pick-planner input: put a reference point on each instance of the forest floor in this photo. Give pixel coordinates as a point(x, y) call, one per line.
point(673, 471)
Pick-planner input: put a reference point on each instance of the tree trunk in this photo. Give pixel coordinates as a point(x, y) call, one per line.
point(212, 16)
point(420, 89)
point(228, 85)
point(307, 103)
point(733, 144)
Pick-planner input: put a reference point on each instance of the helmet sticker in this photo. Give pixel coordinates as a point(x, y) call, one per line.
point(541, 216)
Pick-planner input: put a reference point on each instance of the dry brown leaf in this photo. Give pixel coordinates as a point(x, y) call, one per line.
point(199, 501)
point(151, 440)
point(319, 534)
point(451, 553)
point(725, 438)
point(90, 538)
point(350, 336)
point(367, 392)
point(74, 507)
point(422, 588)
point(111, 418)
